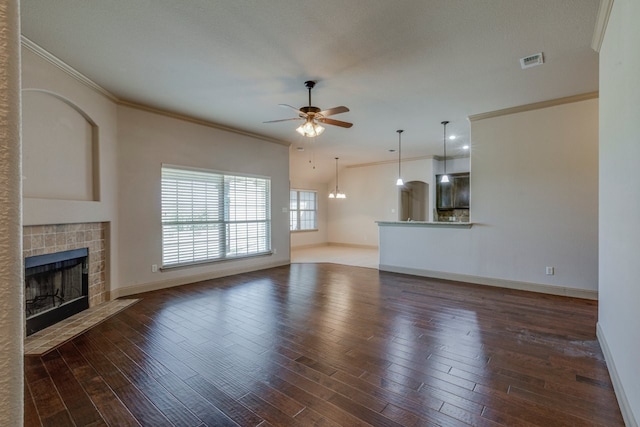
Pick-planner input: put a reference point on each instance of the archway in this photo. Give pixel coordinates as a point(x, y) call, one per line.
point(414, 201)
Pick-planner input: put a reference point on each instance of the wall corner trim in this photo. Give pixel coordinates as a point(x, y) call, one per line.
point(602, 20)
point(623, 402)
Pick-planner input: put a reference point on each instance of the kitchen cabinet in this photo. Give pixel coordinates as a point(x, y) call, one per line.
point(453, 194)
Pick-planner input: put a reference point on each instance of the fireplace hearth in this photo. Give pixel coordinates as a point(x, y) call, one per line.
point(56, 287)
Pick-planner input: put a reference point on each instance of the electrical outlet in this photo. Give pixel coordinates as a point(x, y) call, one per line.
point(550, 271)
point(275, 251)
point(154, 268)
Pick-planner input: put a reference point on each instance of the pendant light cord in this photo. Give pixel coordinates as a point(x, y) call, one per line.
point(444, 142)
point(336, 176)
point(399, 151)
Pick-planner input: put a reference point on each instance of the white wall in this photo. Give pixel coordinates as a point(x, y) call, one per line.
point(534, 195)
point(319, 237)
point(459, 164)
point(131, 145)
point(57, 142)
point(41, 75)
point(534, 192)
point(42, 80)
point(301, 239)
point(619, 313)
point(146, 141)
point(372, 195)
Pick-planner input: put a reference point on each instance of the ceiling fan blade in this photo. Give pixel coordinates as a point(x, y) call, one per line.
point(284, 120)
point(335, 122)
point(297, 110)
point(334, 110)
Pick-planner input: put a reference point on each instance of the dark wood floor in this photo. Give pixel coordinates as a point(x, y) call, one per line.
point(328, 345)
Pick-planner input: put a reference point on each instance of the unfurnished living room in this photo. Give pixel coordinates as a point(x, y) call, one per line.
point(336, 213)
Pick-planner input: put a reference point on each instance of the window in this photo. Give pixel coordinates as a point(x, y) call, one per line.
point(212, 216)
point(303, 210)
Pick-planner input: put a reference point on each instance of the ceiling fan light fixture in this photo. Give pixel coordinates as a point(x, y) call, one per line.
point(312, 115)
point(310, 129)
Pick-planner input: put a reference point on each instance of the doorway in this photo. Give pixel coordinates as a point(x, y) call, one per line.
point(414, 201)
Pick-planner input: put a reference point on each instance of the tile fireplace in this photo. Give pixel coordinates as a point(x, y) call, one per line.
point(58, 238)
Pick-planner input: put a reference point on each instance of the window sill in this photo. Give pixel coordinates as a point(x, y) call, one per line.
point(213, 261)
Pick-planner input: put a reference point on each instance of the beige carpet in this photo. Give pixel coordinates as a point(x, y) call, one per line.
point(358, 257)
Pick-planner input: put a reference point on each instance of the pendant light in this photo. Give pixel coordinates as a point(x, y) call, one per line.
point(445, 177)
point(399, 182)
point(337, 194)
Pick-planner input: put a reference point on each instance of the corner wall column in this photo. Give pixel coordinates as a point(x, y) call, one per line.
point(11, 262)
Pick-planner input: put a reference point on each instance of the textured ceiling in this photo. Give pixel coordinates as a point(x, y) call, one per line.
point(406, 64)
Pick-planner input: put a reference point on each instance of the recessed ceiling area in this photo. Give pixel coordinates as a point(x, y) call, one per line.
point(396, 65)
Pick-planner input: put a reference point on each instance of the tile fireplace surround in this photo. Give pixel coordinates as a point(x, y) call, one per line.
point(47, 239)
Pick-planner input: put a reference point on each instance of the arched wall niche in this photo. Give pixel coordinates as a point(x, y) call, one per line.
point(60, 148)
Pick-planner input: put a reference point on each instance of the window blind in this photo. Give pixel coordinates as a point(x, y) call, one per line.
point(211, 216)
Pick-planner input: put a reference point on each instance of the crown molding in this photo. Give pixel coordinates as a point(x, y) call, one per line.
point(457, 156)
point(534, 106)
point(387, 162)
point(602, 20)
point(50, 58)
point(410, 159)
point(72, 72)
point(200, 122)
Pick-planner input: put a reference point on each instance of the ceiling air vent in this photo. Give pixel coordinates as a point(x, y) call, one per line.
point(531, 60)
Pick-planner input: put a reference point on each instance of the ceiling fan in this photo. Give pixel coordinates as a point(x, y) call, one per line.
point(312, 116)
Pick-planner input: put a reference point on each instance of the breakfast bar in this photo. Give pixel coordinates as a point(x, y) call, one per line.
point(425, 248)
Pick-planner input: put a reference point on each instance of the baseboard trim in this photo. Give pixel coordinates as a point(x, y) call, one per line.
point(169, 283)
point(500, 283)
point(352, 245)
point(623, 402)
point(310, 246)
point(343, 245)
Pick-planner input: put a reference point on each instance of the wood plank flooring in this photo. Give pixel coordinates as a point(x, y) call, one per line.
point(330, 345)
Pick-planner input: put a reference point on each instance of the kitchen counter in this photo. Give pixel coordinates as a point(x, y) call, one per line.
point(434, 224)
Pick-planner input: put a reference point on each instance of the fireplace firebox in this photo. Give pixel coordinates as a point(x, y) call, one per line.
point(56, 287)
